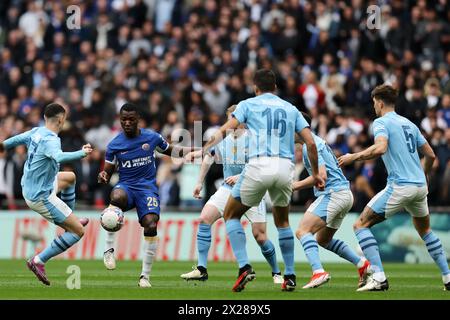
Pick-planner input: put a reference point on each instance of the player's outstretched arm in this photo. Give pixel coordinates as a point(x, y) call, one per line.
point(206, 165)
point(372, 152)
point(179, 152)
point(54, 151)
point(309, 182)
point(218, 136)
point(15, 141)
point(313, 157)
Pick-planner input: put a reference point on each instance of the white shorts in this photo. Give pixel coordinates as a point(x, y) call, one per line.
point(53, 208)
point(220, 198)
point(265, 174)
point(395, 198)
point(332, 207)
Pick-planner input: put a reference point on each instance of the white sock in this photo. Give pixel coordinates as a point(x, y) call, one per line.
point(446, 278)
point(361, 263)
point(109, 243)
point(37, 260)
point(150, 246)
point(318, 271)
point(379, 276)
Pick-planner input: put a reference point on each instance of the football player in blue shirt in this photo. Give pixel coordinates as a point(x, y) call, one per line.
point(232, 152)
point(397, 141)
point(325, 215)
point(272, 124)
point(41, 182)
point(133, 153)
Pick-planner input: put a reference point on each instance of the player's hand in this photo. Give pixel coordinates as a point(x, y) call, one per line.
point(193, 155)
point(319, 182)
point(346, 159)
point(198, 188)
point(232, 180)
point(297, 185)
point(103, 177)
point(87, 148)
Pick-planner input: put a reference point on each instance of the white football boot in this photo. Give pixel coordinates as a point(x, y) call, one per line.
point(144, 282)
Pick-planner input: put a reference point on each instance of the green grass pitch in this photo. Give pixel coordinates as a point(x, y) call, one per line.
point(16, 282)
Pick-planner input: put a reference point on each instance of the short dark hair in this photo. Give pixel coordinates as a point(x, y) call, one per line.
point(265, 80)
point(53, 109)
point(129, 107)
point(307, 117)
point(386, 93)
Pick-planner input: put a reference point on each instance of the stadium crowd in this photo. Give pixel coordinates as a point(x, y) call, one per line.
point(187, 61)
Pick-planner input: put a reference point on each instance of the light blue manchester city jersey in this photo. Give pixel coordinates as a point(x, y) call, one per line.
point(42, 165)
point(401, 158)
point(233, 154)
point(272, 123)
point(336, 179)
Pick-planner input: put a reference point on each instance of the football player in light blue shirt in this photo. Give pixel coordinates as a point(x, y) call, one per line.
point(41, 182)
point(325, 215)
point(397, 140)
point(272, 124)
point(232, 153)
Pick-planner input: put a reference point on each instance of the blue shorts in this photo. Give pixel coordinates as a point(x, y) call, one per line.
point(144, 199)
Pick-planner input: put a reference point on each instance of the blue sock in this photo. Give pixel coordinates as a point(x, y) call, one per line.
point(311, 249)
point(369, 246)
point(268, 251)
point(343, 250)
point(237, 238)
point(203, 243)
point(68, 196)
point(58, 245)
point(434, 247)
point(286, 241)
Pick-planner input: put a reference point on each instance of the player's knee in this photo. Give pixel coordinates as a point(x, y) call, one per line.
point(357, 225)
point(119, 199)
point(71, 177)
point(260, 237)
point(205, 219)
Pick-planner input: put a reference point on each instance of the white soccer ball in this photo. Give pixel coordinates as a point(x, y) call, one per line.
point(111, 219)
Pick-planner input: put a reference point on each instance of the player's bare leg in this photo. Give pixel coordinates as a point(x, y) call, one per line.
point(66, 185)
point(208, 216)
point(150, 223)
point(368, 218)
point(434, 247)
point(118, 198)
point(267, 249)
point(233, 212)
point(74, 232)
point(308, 226)
point(325, 239)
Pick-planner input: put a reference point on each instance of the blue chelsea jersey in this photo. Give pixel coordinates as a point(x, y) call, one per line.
point(135, 157)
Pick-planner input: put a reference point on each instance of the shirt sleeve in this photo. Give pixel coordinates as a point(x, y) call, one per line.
point(241, 112)
point(20, 139)
point(300, 122)
point(162, 145)
point(110, 156)
point(53, 150)
point(379, 129)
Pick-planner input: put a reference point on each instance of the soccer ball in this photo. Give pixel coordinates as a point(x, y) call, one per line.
point(112, 219)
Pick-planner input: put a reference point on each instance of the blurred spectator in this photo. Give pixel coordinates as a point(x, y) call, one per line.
point(184, 62)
